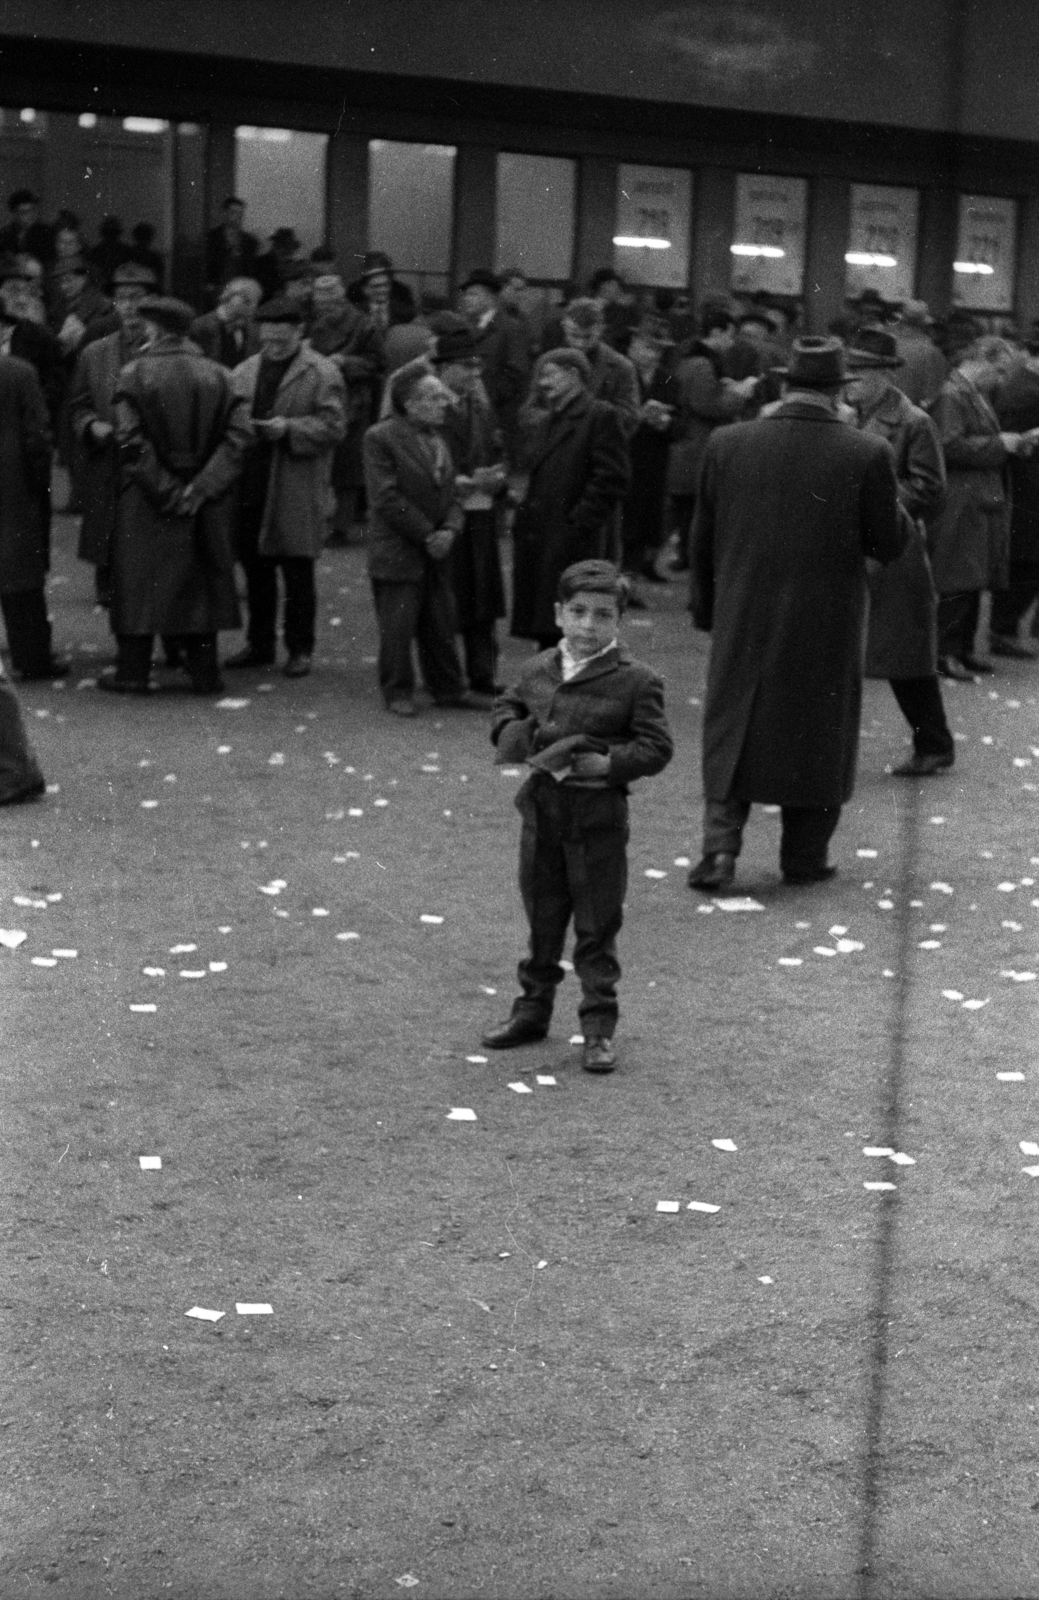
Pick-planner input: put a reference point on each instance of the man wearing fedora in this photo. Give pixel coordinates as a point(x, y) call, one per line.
point(902, 640)
point(503, 348)
point(180, 434)
point(92, 419)
point(788, 509)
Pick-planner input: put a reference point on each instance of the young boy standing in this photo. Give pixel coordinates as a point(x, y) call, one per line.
point(588, 720)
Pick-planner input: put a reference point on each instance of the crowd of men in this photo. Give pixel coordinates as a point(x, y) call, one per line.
point(297, 405)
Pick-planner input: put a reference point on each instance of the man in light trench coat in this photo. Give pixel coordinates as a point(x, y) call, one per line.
point(788, 509)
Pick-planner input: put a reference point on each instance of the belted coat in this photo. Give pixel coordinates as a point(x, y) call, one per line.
point(788, 508)
point(177, 422)
point(901, 641)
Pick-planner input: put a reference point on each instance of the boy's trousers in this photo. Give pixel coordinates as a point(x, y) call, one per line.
point(572, 863)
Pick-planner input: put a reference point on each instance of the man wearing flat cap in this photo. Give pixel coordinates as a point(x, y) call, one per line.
point(92, 419)
point(503, 348)
point(296, 401)
point(576, 471)
point(787, 511)
point(902, 640)
point(180, 434)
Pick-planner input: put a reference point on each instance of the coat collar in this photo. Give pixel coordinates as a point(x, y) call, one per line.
point(890, 410)
point(558, 427)
point(802, 411)
point(619, 656)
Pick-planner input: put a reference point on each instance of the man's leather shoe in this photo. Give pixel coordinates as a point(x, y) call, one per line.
point(29, 791)
point(978, 664)
point(802, 875)
point(249, 658)
point(518, 1030)
point(715, 871)
point(296, 667)
point(949, 667)
point(922, 766)
point(1004, 644)
point(598, 1055)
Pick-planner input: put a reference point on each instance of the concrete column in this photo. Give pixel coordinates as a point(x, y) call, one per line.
point(937, 248)
point(1027, 293)
point(714, 205)
point(476, 182)
point(220, 168)
point(347, 201)
point(189, 209)
point(829, 221)
point(596, 216)
point(63, 179)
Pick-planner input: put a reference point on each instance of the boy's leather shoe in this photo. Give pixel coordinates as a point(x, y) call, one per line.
point(950, 667)
point(715, 871)
point(922, 766)
point(518, 1030)
point(598, 1055)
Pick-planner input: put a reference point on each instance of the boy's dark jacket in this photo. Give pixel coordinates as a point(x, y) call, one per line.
point(615, 702)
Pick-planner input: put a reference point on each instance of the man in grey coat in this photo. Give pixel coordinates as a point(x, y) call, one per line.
point(789, 507)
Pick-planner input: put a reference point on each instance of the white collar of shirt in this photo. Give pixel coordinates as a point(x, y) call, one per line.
point(572, 664)
point(484, 322)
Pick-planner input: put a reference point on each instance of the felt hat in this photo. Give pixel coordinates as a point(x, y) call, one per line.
point(815, 364)
point(482, 278)
point(584, 313)
point(22, 197)
point(135, 273)
point(170, 314)
point(66, 265)
point(565, 357)
point(280, 309)
point(376, 264)
point(873, 347)
point(11, 268)
point(917, 314)
point(454, 336)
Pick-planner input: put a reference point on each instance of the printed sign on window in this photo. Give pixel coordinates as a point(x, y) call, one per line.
point(651, 238)
point(768, 248)
point(983, 271)
point(881, 251)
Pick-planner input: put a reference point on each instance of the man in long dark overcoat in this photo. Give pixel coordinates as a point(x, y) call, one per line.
point(181, 433)
point(577, 463)
point(25, 464)
point(788, 509)
point(1017, 406)
point(902, 640)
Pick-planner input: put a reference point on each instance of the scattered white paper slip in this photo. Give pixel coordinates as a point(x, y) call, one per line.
point(345, 936)
point(1033, 1172)
point(253, 1308)
point(738, 902)
point(43, 961)
point(868, 855)
point(847, 947)
point(900, 1159)
point(231, 704)
point(65, 955)
point(218, 966)
point(461, 1114)
point(943, 888)
point(790, 961)
point(1028, 1148)
point(1011, 1077)
point(149, 805)
point(702, 1205)
point(199, 974)
point(878, 1150)
point(202, 1315)
point(723, 1144)
point(144, 1008)
point(150, 1163)
point(521, 1088)
point(881, 1187)
point(975, 1005)
point(11, 938)
point(823, 950)
point(683, 861)
point(183, 949)
point(154, 972)
point(668, 1205)
point(951, 994)
point(547, 1081)
point(477, 1061)
point(428, 917)
point(654, 872)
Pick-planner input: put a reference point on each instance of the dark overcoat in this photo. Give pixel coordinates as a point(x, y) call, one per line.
point(614, 699)
point(1017, 406)
point(96, 465)
point(503, 346)
point(299, 501)
point(178, 422)
point(969, 542)
point(474, 564)
point(25, 463)
point(407, 501)
point(579, 470)
point(787, 510)
point(351, 341)
point(704, 403)
point(902, 639)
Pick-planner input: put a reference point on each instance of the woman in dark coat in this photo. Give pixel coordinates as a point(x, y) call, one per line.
point(414, 517)
point(477, 449)
point(577, 472)
point(25, 463)
point(181, 433)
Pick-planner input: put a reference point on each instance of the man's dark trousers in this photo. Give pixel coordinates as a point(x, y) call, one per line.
point(261, 580)
point(920, 701)
point(572, 864)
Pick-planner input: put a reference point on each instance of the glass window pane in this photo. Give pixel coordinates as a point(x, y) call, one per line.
point(768, 249)
point(651, 237)
point(534, 216)
point(411, 203)
point(280, 174)
point(881, 252)
point(983, 272)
